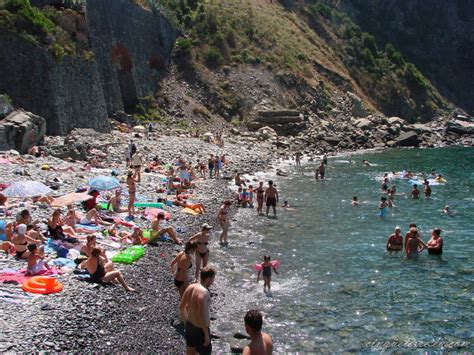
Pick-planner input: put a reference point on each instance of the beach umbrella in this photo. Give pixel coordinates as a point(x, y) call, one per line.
point(26, 188)
point(104, 183)
point(70, 199)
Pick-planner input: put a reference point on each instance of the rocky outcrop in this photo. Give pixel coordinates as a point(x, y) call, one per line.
point(437, 36)
point(408, 139)
point(21, 130)
point(358, 108)
point(460, 127)
point(5, 106)
point(67, 93)
point(131, 46)
point(283, 122)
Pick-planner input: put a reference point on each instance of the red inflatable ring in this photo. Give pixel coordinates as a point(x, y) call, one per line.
point(42, 284)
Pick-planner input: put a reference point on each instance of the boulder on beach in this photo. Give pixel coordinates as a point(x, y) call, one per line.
point(358, 109)
point(460, 127)
point(408, 139)
point(21, 130)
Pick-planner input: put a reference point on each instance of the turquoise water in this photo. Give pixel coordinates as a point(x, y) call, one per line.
point(337, 288)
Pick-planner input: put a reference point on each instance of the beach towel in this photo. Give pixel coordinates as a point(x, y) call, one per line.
point(190, 211)
point(92, 227)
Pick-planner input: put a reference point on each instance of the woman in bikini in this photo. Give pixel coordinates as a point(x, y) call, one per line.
point(21, 241)
point(202, 252)
point(97, 267)
point(223, 219)
point(184, 262)
point(132, 189)
point(260, 191)
point(56, 227)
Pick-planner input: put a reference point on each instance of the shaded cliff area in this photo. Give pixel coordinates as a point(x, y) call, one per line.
point(437, 36)
point(76, 69)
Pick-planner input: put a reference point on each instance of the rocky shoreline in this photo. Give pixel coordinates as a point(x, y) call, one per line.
point(87, 317)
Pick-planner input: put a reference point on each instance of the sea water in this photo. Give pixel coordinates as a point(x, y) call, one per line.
point(338, 289)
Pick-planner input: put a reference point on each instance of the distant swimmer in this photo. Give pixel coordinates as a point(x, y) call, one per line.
point(440, 178)
point(395, 240)
point(261, 343)
point(435, 244)
point(366, 163)
point(446, 210)
point(355, 201)
point(415, 193)
point(427, 188)
point(414, 245)
point(383, 211)
point(408, 175)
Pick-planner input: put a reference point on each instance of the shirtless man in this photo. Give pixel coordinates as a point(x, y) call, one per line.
point(395, 240)
point(194, 312)
point(271, 197)
point(414, 246)
point(415, 193)
point(427, 188)
point(260, 191)
point(158, 231)
point(261, 343)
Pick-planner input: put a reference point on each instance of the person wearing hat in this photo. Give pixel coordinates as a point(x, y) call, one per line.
point(202, 251)
point(395, 240)
point(414, 245)
point(435, 245)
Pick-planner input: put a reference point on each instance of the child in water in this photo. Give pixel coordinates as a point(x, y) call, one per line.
point(266, 270)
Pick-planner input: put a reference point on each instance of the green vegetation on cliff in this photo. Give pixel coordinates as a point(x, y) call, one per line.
point(313, 40)
point(63, 32)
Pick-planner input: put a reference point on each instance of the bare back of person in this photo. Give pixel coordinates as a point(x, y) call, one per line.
point(271, 192)
point(262, 345)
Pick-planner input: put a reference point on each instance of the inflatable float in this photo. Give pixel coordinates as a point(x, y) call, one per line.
point(149, 204)
point(42, 284)
point(275, 264)
point(129, 255)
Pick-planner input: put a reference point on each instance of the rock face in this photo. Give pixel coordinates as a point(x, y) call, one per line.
point(21, 130)
point(358, 109)
point(460, 127)
point(283, 122)
point(131, 47)
point(5, 106)
point(408, 139)
point(437, 36)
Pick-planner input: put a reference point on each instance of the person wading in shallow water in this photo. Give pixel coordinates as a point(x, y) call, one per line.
point(271, 197)
point(194, 312)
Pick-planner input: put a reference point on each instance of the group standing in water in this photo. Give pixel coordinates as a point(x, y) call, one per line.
point(413, 245)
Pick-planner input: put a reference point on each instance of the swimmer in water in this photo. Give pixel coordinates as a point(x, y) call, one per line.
point(414, 246)
point(427, 188)
point(446, 210)
point(395, 240)
point(266, 271)
point(415, 193)
point(366, 163)
point(383, 208)
point(435, 245)
point(355, 201)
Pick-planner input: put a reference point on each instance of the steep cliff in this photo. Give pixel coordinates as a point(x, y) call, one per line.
point(75, 73)
point(67, 93)
point(437, 36)
point(132, 46)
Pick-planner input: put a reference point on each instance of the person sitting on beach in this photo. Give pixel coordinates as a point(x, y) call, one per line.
point(5, 204)
point(158, 232)
point(202, 251)
point(91, 217)
point(427, 188)
point(36, 151)
point(57, 228)
point(223, 219)
point(20, 240)
point(435, 244)
point(36, 262)
point(239, 181)
point(72, 218)
point(137, 237)
point(91, 203)
point(33, 232)
point(260, 343)
point(24, 217)
point(198, 207)
point(413, 245)
point(415, 193)
point(395, 240)
point(115, 202)
point(114, 232)
point(183, 261)
point(266, 271)
point(102, 271)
